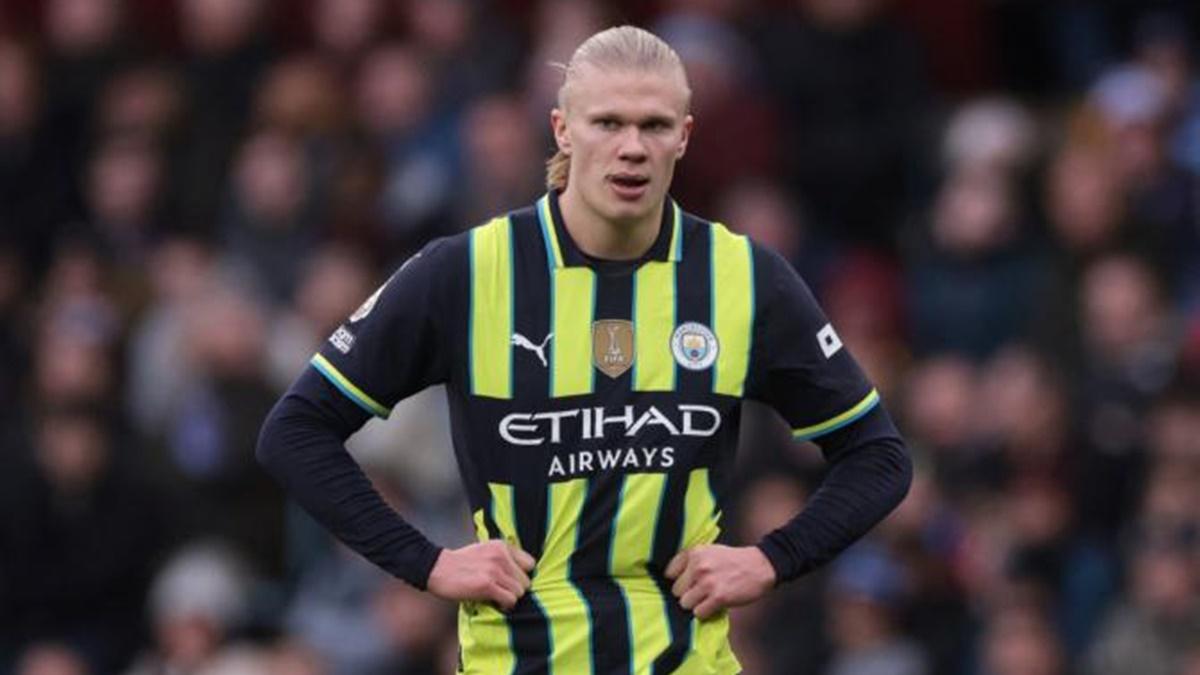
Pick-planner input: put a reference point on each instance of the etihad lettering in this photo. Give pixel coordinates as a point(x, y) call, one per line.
point(583, 462)
point(530, 429)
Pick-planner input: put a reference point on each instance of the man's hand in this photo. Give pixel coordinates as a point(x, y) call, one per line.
point(489, 571)
point(711, 578)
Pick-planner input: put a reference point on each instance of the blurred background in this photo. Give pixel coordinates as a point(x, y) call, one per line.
point(997, 202)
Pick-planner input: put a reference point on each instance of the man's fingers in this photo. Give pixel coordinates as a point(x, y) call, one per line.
point(676, 565)
point(692, 598)
point(685, 581)
point(503, 597)
point(514, 570)
point(707, 608)
point(511, 584)
point(523, 559)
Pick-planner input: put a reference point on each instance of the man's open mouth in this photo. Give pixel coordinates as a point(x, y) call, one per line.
point(629, 180)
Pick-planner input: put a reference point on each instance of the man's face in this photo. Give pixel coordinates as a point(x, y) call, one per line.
point(624, 131)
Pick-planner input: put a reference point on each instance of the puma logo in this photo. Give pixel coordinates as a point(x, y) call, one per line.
point(524, 343)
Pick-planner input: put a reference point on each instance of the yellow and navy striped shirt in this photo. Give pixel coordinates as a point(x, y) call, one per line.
point(595, 412)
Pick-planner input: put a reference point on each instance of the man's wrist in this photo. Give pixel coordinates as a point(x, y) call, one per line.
point(778, 557)
point(416, 567)
point(763, 566)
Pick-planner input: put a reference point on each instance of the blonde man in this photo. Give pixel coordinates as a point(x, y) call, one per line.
point(596, 347)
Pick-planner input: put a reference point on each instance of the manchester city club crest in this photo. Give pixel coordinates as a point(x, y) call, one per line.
point(694, 346)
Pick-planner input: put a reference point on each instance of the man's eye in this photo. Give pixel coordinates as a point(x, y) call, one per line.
point(608, 124)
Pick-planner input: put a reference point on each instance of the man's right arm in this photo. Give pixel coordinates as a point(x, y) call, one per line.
point(302, 444)
point(392, 347)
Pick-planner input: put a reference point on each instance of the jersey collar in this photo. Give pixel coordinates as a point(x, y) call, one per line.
point(561, 250)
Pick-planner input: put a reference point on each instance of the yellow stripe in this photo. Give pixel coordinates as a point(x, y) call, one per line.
point(483, 635)
point(491, 310)
point(483, 631)
point(711, 653)
point(347, 387)
point(654, 320)
point(503, 513)
point(563, 605)
point(571, 364)
point(547, 219)
point(700, 517)
point(633, 541)
point(481, 533)
point(859, 409)
point(733, 308)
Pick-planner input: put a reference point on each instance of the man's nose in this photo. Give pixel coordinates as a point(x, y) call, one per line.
point(632, 148)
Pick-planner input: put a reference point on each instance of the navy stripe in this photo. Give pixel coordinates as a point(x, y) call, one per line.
point(531, 628)
point(667, 537)
point(610, 646)
point(693, 300)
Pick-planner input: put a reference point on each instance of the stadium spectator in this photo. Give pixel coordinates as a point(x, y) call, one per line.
point(867, 586)
point(395, 108)
point(122, 192)
point(1155, 625)
point(334, 280)
point(80, 534)
point(51, 659)
point(199, 600)
point(501, 158)
point(728, 96)
point(272, 217)
point(972, 276)
point(1129, 348)
point(225, 55)
point(345, 29)
point(1019, 641)
point(850, 84)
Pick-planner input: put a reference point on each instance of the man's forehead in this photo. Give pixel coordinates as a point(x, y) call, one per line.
point(600, 88)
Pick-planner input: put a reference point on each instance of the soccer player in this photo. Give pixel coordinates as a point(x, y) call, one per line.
point(596, 348)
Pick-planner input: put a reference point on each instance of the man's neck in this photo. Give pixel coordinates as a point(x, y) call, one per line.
point(601, 238)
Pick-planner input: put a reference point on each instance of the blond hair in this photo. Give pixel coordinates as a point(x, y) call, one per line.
point(617, 48)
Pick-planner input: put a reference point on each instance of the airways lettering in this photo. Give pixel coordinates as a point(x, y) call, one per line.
point(584, 462)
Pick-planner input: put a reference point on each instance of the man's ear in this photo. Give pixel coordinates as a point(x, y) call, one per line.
point(687, 133)
point(558, 125)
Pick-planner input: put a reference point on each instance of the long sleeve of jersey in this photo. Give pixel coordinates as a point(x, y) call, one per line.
point(302, 445)
point(387, 350)
point(806, 373)
point(869, 474)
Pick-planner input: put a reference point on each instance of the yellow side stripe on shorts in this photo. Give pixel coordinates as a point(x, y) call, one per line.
point(347, 387)
point(861, 408)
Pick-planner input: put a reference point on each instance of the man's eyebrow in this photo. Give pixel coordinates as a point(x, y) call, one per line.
point(658, 119)
point(652, 118)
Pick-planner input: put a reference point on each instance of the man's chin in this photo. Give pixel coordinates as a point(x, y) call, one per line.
point(630, 212)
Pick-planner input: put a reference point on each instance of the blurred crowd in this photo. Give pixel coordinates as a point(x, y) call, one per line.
point(997, 202)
